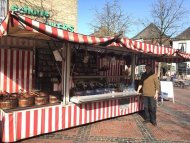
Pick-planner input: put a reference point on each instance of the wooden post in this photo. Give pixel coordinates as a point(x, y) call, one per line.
point(133, 69)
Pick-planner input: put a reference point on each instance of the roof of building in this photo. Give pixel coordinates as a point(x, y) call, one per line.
point(185, 35)
point(151, 31)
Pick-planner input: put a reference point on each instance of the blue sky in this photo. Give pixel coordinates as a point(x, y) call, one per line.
point(137, 9)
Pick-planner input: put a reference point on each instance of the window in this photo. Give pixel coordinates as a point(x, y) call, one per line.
point(182, 47)
point(3, 9)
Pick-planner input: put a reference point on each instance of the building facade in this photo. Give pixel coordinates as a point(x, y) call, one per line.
point(182, 43)
point(57, 13)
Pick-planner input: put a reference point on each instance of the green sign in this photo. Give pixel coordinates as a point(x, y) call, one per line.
point(41, 13)
point(61, 26)
point(27, 10)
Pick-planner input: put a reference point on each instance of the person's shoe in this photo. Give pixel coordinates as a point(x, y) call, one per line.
point(154, 123)
point(146, 121)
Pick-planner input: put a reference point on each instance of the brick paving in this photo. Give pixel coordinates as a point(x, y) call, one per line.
point(173, 127)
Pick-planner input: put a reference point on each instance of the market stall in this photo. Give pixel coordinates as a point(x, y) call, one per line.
point(91, 80)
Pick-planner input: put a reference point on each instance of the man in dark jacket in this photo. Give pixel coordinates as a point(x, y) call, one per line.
point(150, 88)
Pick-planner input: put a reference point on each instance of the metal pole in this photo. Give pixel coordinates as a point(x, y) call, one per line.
point(133, 69)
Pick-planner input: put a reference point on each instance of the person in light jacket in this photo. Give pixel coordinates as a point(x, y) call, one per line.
point(150, 89)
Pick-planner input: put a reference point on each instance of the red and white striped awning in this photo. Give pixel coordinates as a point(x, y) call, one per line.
point(21, 26)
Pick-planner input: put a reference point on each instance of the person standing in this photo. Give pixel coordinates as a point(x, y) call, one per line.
point(150, 89)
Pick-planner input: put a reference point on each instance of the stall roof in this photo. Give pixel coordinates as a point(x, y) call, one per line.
point(21, 26)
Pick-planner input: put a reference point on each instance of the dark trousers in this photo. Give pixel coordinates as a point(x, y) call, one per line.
point(149, 108)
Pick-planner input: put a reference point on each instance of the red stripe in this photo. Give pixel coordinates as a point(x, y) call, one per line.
point(15, 22)
point(27, 124)
point(17, 70)
point(28, 21)
point(50, 120)
point(22, 71)
point(65, 35)
point(85, 39)
point(107, 109)
point(63, 117)
point(57, 118)
point(111, 108)
point(93, 40)
point(19, 125)
point(90, 111)
point(74, 116)
point(54, 32)
point(99, 115)
point(0, 68)
point(94, 111)
point(103, 113)
point(43, 121)
point(76, 38)
point(69, 116)
point(85, 113)
point(11, 72)
point(42, 28)
point(11, 128)
point(5, 70)
point(80, 114)
point(36, 122)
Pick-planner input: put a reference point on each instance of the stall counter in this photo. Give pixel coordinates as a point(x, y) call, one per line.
point(32, 122)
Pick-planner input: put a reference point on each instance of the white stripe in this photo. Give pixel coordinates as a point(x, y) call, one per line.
point(72, 115)
point(53, 118)
point(35, 24)
point(78, 114)
point(105, 110)
point(66, 116)
point(46, 120)
point(60, 33)
point(97, 40)
point(109, 106)
point(39, 121)
point(97, 111)
point(31, 123)
point(14, 71)
point(60, 116)
point(101, 110)
point(48, 29)
point(81, 40)
point(8, 70)
point(23, 125)
point(6, 129)
point(71, 36)
point(83, 113)
point(88, 113)
point(92, 111)
point(89, 38)
point(14, 126)
point(117, 108)
point(2, 70)
point(143, 46)
point(113, 108)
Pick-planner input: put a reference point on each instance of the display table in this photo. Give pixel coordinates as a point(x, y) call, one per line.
point(97, 97)
point(27, 123)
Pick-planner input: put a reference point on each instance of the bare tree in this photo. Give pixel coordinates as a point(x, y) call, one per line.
point(110, 20)
point(168, 16)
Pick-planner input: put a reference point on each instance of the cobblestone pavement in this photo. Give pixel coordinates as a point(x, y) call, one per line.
point(173, 127)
